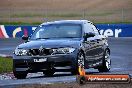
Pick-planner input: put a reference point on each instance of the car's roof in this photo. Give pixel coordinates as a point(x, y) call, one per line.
point(67, 21)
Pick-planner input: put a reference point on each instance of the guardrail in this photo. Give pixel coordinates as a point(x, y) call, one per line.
point(110, 30)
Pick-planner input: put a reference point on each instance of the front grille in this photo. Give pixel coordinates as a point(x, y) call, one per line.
point(40, 52)
point(21, 65)
point(40, 65)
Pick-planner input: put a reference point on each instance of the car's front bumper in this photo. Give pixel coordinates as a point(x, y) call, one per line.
point(28, 63)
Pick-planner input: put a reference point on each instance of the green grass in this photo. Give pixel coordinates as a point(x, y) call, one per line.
point(19, 23)
point(27, 15)
point(6, 65)
point(38, 23)
point(100, 14)
point(46, 15)
point(66, 15)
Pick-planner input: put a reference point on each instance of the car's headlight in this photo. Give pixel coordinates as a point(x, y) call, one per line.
point(63, 50)
point(20, 52)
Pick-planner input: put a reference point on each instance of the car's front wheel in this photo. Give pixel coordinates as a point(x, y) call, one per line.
point(80, 62)
point(20, 75)
point(106, 62)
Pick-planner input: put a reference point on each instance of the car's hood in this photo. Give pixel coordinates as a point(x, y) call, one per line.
point(50, 43)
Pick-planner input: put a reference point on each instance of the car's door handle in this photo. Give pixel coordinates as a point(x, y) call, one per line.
point(92, 40)
point(96, 40)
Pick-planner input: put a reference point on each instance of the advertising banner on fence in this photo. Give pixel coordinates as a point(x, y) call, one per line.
point(110, 30)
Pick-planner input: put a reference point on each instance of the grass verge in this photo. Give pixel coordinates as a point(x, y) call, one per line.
point(38, 23)
point(19, 23)
point(5, 65)
point(46, 15)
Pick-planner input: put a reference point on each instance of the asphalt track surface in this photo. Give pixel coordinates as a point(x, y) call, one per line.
point(121, 57)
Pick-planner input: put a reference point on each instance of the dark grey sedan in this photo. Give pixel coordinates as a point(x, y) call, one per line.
point(62, 46)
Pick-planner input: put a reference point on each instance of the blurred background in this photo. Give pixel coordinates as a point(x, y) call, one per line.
point(38, 11)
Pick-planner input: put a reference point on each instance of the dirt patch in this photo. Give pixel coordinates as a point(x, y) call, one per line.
point(66, 4)
point(75, 85)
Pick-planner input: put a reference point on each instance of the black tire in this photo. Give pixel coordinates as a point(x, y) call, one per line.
point(106, 62)
point(80, 61)
point(49, 73)
point(20, 75)
point(81, 80)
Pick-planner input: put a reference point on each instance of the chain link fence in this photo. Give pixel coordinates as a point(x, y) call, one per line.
point(42, 15)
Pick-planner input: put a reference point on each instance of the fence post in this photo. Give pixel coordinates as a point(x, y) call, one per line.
point(122, 15)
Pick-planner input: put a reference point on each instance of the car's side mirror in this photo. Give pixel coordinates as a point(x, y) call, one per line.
point(25, 37)
point(88, 35)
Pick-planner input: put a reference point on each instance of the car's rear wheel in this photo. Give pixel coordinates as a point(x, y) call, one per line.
point(106, 62)
point(20, 75)
point(80, 62)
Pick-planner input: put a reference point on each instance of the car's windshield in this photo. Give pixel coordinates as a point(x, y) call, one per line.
point(58, 31)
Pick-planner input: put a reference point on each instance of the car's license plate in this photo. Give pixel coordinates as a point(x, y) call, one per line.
point(40, 60)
